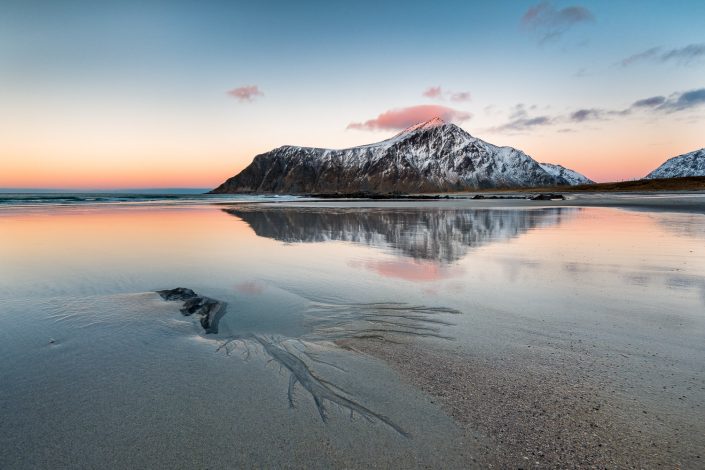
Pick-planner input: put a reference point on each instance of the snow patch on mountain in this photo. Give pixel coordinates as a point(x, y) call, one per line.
point(688, 164)
point(571, 176)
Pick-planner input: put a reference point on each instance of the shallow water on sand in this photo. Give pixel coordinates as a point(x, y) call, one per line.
point(97, 368)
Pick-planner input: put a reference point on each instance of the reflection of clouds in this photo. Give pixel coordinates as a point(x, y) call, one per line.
point(662, 276)
point(444, 235)
point(687, 282)
point(431, 291)
point(579, 268)
point(573, 267)
point(684, 225)
point(640, 280)
point(456, 287)
point(515, 266)
point(250, 287)
point(646, 276)
point(679, 282)
point(409, 270)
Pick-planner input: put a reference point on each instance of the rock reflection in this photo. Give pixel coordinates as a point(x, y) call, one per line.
point(444, 235)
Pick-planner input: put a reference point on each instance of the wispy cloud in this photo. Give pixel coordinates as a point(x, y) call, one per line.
point(644, 55)
point(433, 92)
point(651, 102)
point(491, 110)
point(549, 22)
point(675, 102)
point(399, 119)
point(460, 96)
point(521, 120)
point(527, 123)
point(437, 93)
point(685, 55)
point(596, 114)
point(246, 93)
point(586, 114)
point(683, 101)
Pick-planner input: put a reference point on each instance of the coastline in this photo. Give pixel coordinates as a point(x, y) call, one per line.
point(656, 201)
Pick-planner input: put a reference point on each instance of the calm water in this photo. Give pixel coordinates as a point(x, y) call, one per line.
point(97, 367)
point(26, 201)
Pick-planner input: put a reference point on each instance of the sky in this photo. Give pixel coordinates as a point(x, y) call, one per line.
point(132, 94)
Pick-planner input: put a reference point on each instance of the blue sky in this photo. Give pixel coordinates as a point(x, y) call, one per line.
point(118, 90)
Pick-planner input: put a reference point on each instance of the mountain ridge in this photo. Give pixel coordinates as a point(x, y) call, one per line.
point(680, 166)
point(432, 156)
point(573, 177)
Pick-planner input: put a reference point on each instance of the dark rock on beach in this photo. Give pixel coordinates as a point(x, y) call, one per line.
point(494, 196)
point(179, 293)
point(548, 197)
point(376, 196)
point(209, 311)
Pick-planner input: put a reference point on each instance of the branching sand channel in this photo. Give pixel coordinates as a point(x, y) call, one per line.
point(333, 323)
point(387, 321)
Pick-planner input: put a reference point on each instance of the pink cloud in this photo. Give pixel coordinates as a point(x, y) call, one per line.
point(437, 93)
point(399, 119)
point(460, 96)
point(433, 92)
point(246, 93)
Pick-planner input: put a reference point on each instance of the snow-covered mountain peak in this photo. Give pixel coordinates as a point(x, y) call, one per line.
point(688, 164)
point(430, 124)
point(436, 128)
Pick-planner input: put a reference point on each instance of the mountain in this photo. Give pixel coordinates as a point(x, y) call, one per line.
point(432, 156)
point(688, 164)
point(571, 176)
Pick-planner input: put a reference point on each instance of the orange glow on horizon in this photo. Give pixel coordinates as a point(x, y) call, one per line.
point(53, 176)
point(57, 162)
point(606, 166)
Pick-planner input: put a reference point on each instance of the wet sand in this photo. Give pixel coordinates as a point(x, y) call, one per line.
point(536, 413)
point(126, 381)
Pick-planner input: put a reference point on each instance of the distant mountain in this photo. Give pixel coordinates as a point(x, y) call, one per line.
point(688, 164)
point(571, 176)
point(432, 156)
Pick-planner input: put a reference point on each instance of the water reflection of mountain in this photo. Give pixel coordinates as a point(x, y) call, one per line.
point(443, 235)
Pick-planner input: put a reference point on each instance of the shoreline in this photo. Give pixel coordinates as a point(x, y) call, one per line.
point(655, 201)
point(680, 184)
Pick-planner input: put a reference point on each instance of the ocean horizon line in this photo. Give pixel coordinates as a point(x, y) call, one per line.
point(185, 190)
